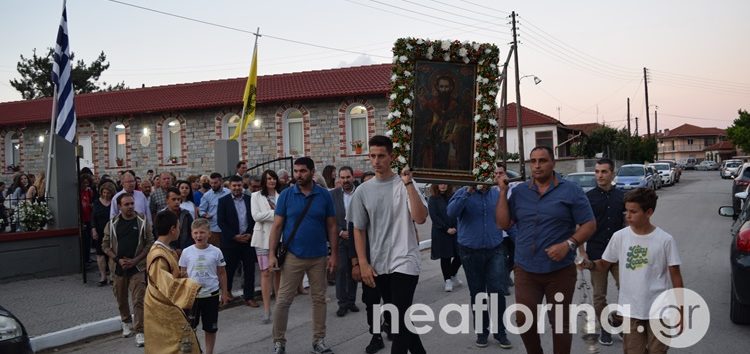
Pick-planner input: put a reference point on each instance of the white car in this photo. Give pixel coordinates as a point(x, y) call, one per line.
point(666, 173)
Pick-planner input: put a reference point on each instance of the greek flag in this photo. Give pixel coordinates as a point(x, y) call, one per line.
point(64, 113)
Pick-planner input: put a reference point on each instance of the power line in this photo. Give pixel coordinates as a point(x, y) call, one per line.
point(436, 17)
point(246, 31)
point(487, 8)
point(701, 79)
point(471, 11)
point(695, 118)
point(438, 10)
point(548, 52)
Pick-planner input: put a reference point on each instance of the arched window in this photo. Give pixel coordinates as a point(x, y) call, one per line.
point(117, 144)
point(294, 143)
point(12, 149)
point(172, 140)
point(228, 124)
point(356, 128)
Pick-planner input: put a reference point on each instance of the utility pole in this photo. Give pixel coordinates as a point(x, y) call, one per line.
point(656, 130)
point(504, 109)
point(519, 124)
point(629, 133)
point(648, 117)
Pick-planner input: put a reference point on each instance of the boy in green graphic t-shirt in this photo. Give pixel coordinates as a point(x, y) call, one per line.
point(649, 264)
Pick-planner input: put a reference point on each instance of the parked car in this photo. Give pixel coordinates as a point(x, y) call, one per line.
point(655, 177)
point(587, 180)
point(730, 168)
point(707, 165)
point(13, 336)
point(675, 166)
point(740, 183)
point(689, 163)
point(634, 176)
point(739, 258)
point(667, 173)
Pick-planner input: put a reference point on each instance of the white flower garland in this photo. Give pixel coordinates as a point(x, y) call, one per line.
point(406, 52)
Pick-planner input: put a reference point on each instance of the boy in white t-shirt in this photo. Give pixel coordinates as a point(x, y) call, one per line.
point(649, 264)
point(205, 264)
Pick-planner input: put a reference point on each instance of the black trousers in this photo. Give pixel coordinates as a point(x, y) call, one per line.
point(401, 288)
point(450, 266)
point(370, 297)
point(234, 255)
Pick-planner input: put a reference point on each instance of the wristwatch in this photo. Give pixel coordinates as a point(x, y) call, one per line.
point(572, 245)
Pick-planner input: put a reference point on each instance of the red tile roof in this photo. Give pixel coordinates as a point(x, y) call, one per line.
point(354, 81)
point(722, 145)
point(692, 130)
point(529, 117)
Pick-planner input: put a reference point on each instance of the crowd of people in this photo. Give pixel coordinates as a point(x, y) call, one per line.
point(26, 187)
point(177, 244)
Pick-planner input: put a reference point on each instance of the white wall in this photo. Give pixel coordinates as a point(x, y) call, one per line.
point(529, 138)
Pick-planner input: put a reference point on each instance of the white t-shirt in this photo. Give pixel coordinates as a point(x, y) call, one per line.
point(202, 266)
point(190, 207)
point(381, 207)
point(643, 265)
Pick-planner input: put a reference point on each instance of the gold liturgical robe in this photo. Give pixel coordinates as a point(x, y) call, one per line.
point(166, 328)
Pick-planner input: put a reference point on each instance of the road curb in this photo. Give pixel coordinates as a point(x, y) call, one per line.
point(75, 334)
point(111, 325)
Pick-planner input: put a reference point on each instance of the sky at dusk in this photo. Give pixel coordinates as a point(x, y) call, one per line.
point(589, 55)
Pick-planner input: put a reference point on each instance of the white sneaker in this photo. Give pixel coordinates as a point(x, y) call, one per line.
point(126, 331)
point(456, 281)
point(448, 285)
point(139, 339)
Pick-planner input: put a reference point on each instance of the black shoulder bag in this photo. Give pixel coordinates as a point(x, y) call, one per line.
point(283, 247)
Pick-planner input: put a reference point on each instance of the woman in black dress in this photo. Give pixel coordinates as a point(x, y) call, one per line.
point(444, 240)
point(100, 217)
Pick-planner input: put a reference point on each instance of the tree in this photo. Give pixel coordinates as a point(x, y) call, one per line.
point(616, 144)
point(739, 132)
point(36, 74)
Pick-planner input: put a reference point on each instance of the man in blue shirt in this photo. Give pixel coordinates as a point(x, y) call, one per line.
point(210, 204)
point(608, 204)
point(546, 211)
point(307, 251)
point(483, 254)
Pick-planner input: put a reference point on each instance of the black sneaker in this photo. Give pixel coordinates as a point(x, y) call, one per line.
point(482, 341)
point(376, 343)
point(341, 311)
point(353, 308)
point(605, 338)
point(503, 340)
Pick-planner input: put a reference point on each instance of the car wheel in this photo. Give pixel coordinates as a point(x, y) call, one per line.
point(738, 313)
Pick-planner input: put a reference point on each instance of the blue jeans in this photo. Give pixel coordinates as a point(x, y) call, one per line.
point(486, 272)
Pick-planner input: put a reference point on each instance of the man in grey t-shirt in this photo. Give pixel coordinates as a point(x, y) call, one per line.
point(385, 209)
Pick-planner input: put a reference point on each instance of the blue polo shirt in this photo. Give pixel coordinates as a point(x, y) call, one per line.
point(477, 228)
point(312, 236)
point(545, 220)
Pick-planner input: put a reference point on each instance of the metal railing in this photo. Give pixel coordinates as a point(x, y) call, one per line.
point(277, 164)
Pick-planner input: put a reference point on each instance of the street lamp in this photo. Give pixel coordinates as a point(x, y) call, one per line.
point(519, 124)
point(537, 80)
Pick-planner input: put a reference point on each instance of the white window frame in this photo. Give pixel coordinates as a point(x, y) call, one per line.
point(285, 130)
point(12, 138)
point(113, 144)
point(350, 133)
point(227, 130)
point(167, 140)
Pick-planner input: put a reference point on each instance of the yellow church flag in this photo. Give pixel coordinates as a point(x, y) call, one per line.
point(249, 98)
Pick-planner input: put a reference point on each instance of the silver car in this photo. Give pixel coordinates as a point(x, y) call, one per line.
point(587, 180)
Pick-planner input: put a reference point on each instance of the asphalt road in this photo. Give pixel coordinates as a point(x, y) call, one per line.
point(688, 211)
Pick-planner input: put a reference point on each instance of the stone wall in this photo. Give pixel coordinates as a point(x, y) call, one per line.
point(324, 123)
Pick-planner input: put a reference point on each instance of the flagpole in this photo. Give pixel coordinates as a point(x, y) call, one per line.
point(50, 150)
point(241, 124)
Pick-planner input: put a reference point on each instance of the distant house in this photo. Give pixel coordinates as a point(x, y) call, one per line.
point(723, 150)
point(689, 140)
point(539, 129)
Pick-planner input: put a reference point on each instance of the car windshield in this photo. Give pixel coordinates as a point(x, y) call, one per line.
point(630, 171)
point(661, 167)
point(582, 180)
point(733, 164)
